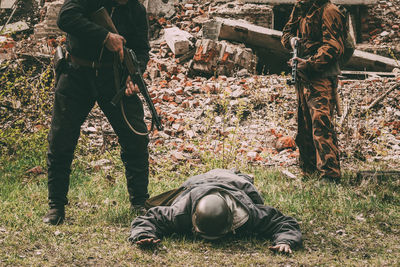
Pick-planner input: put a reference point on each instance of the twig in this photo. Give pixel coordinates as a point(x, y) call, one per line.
point(344, 115)
point(379, 99)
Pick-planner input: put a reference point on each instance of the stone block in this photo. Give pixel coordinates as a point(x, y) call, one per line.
point(160, 8)
point(7, 3)
point(178, 41)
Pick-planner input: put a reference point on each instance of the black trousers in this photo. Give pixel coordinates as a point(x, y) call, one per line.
point(77, 91)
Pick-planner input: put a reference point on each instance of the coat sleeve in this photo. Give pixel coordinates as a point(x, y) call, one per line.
point(291, 27)
point(161, 221)
point(142, 39)
point(332, 40)
point(250, 190)
point(156, 223)
point(73, 19)
point(270, 223)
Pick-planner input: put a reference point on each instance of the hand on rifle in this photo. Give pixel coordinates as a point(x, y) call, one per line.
point(131, 88)
point(301, 63)
point(115, 43)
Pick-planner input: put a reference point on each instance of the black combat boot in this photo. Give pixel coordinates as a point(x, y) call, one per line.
point(55, 216)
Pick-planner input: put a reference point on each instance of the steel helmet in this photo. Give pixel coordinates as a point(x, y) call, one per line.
point(212, 218)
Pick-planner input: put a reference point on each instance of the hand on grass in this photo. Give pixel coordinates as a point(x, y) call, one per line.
point(281, 248)
point(147, 242)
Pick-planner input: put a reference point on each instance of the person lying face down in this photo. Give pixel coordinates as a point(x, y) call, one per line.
point(213, 205)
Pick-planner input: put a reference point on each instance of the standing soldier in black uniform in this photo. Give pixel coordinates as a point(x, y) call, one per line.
point(89, 78)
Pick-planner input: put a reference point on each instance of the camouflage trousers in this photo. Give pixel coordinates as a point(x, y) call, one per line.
point(316, 136)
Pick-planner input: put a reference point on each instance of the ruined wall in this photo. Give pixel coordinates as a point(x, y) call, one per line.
point(48, 25)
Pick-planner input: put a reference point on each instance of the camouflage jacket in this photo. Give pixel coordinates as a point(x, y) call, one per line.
point(264, 221)
point(320, 28)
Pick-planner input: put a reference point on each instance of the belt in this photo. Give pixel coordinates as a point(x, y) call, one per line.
point(90, 64)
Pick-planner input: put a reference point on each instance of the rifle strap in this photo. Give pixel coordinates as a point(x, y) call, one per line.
point(118, 82)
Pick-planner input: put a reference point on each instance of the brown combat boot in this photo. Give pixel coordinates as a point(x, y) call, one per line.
point(55, 216)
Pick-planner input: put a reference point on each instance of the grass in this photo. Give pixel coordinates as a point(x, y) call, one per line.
point(354, 224)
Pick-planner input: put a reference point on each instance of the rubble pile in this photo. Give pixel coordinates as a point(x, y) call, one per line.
point(222, 58)
point(212, 101)
point(187, 16)
point(252, 120)
point(382, 28)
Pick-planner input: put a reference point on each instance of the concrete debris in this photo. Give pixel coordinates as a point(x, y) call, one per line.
point(285, 142)
point(48, 26)
point(222, 58)
point(15, 27)
point(241, 31)
point(368, 74)
point(7, 3)
point(289, 174)
point(367, 61)
point(261, 15)
point(265, 42)
point(99, 164)
point(223, 105)
point(161, 8)
point(245, 32)
point(178, 41)
point(282, 2)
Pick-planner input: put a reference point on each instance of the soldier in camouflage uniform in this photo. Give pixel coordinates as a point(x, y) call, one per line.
point(318, 25)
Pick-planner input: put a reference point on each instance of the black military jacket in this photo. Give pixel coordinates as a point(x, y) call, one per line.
point(85, 38)
point(264, 221)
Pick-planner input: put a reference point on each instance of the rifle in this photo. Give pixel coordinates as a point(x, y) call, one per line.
point(293, 80)
point(130, 67)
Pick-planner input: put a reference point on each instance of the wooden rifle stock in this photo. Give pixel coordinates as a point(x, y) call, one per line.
point(102, 18)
